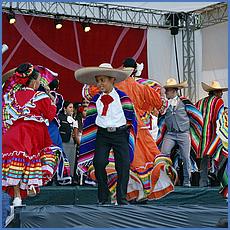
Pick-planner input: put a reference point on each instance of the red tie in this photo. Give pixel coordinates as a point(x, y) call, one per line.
point(106, 100)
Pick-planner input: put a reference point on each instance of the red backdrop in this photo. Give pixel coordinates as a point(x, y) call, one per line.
point(35, 40)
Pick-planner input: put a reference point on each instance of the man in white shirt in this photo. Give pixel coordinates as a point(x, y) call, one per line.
point(112, 112)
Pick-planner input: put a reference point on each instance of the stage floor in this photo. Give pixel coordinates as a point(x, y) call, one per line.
point(83, 195)
point(68, 207)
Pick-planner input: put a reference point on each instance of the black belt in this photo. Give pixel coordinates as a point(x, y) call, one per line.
point(113, 129)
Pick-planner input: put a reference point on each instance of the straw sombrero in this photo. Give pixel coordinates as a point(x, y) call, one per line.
point(172, 83)
point(215, 85)
point(87, 75)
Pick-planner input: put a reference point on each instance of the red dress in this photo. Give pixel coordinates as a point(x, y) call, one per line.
point(28, 157)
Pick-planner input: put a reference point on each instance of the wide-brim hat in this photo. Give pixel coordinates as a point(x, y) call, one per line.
point(87, 75)
point(172, 83)
point(215, 85)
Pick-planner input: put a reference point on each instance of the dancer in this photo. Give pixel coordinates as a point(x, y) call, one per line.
point(111, 115)
point(149, 164)
point(151, 174)
point(221, 163)
point(212, 108)
point(28, 158)
point(177, 125)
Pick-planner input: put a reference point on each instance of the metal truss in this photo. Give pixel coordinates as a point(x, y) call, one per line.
point(97, 12)
point(198, 19)
point(188, 49)
point(124, 15)
point(210, 15)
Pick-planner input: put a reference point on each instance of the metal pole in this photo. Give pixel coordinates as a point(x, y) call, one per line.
point(177, 64)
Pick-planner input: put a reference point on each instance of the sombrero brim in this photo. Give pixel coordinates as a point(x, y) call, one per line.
point(87, 75)
point(208, 88)
point(182, 85)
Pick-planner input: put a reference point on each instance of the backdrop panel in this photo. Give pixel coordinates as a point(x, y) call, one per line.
point(161, 55)
point(215, 47)
point(212, 57)
point(35, 40)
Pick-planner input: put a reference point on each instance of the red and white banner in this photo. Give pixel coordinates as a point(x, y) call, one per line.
point(36, 40)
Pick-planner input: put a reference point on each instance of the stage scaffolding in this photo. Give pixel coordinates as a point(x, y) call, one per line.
point(187, 22)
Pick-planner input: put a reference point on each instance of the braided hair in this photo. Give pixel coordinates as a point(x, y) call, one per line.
point(130, 62)
point(54, 84)
point(26, 73)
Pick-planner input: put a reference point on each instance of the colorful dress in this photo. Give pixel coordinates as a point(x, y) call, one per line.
point(12, 85)
point(28, 156)
point(154, 175)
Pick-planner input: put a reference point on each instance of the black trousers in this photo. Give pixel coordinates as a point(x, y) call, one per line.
point(204, 181)
point(119, 142)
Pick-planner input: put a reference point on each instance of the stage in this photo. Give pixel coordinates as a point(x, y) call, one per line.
point(76, 207)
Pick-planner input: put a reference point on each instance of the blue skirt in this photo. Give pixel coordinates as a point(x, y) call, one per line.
point(54, 134)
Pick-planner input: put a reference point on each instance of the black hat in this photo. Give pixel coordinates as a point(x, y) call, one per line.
point(130, 62)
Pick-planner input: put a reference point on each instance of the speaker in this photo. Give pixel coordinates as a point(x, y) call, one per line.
point(174, 30)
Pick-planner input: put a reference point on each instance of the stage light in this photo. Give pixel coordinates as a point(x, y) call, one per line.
point(58, 22)
point(86, 25)
point(11, 17)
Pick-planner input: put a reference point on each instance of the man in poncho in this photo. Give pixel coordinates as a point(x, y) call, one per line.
point(211, 146)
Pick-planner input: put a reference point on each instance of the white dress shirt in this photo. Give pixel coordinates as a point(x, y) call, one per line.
point(115, 116)
point(173, 102)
